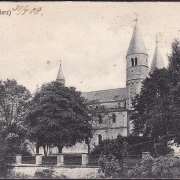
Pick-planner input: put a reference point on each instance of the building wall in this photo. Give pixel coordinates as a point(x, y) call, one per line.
point(108, 130)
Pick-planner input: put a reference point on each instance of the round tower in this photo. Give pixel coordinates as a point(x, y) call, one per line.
point(136, 66)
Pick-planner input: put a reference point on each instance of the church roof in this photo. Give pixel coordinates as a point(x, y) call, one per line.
point(136, 45)
point(118, 94)
point(157, 61)
point(60, 75)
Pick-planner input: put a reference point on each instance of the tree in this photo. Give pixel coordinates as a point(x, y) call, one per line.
point(151, 116)
point(174, 81)
point(13, 103)
point(156, 113)
point(57, 116)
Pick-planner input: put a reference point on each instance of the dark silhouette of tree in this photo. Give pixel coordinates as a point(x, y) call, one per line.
point(14, 100)
point(57, 117)
point(156, 113)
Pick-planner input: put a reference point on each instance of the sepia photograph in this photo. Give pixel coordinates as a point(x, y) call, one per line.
point(89, 90)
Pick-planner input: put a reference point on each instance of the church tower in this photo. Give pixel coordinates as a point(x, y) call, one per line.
point(136, 66)
point(157, 61)
point(60, 77)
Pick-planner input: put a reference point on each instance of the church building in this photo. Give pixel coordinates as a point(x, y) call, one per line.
point(118, 102)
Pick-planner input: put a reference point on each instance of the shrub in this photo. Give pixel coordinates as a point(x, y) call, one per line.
point(117, 147)
point(161, 167)
point(112, 167)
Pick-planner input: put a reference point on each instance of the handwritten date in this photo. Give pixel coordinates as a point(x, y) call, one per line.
point(22, 10)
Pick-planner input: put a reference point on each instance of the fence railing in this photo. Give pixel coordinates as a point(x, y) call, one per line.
point(68, 159)
point(60, 159)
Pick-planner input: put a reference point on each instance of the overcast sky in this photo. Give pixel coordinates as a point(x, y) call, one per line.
point(91, 39)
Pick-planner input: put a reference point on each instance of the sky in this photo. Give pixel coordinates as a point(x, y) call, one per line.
point(90, 38)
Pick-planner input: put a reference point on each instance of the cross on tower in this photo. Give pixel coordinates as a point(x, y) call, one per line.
point(136, 18)
point(156, 38)
point(60, 61)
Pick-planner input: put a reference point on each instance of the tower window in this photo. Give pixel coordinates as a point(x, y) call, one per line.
point(136, 61)
point(100, 119)
point(99, 138)
point(132, 61)
point(114, 118)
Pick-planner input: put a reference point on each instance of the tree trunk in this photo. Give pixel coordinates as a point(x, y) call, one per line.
point(37, 149)
point(59, 149)
point(87, 141)
point(45, 152)
point(88, 144)
point(47, 148)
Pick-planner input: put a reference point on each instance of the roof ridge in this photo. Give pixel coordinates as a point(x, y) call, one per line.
point(104, 90)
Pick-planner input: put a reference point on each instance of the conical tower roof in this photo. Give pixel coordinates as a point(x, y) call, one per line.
point(60, 76)
point(157, 61)
point(136, 45)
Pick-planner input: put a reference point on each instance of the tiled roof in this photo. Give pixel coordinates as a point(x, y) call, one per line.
point(118, 94)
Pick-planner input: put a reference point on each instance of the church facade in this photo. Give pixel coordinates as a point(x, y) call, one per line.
point(118, 102)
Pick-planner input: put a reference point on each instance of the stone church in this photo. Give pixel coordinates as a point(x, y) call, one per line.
point(117, 102)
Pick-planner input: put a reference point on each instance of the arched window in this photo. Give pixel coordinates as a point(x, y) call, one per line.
point(135, 61)
point(99, 138)
point(132, 61)
point(113, 118)
point(100, 119)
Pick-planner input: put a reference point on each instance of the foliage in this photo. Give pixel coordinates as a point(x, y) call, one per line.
point(3, 146)
point(13, 103)
point(113, 152)
point(161, 167)
point(156, 110)
point(150, 116)
point(58, 116)
point(174, 79)
point(117, 147)
point(112, 167)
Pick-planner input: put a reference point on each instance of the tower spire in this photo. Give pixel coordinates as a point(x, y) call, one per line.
point(157, 61)
point(60, 77)
point(136, 45)
point(136, 18)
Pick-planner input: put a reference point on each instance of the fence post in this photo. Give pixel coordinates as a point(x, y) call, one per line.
point(145, 154)
point(18, 159)
point(85, 159)
point(38, 159)
point(60, 159)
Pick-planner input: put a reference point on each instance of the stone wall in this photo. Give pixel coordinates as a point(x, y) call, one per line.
point(68, 171)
